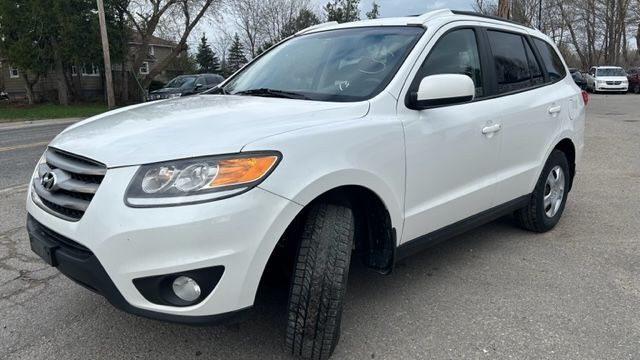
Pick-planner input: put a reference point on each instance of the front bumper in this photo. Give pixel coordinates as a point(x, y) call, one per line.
point(605, 87)
point(125, 243)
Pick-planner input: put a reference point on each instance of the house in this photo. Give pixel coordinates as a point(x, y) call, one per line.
point(86, 81)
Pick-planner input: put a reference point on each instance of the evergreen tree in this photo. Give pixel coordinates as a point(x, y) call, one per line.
point(236, 58)
point(375, 11)
point(303, 20)
point(343, 10)
point(207, 60)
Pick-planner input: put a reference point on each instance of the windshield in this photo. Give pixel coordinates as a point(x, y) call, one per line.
point(181, 82)
point(338, 65)
point(611, 72)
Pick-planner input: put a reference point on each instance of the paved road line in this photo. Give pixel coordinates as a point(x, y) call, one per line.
point(16, 188)
point(23, 146)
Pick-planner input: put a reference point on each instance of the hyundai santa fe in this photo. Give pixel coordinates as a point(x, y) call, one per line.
point(369, 140)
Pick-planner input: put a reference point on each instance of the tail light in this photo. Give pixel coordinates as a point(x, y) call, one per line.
point(585, 97)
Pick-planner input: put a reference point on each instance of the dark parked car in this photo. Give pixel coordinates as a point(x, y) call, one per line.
point(578, 78)
point(633, 75)
point(185, 85)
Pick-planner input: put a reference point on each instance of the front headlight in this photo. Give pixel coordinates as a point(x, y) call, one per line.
point(197, 180)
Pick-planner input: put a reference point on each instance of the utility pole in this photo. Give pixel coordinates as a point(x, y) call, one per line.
point(111, 102)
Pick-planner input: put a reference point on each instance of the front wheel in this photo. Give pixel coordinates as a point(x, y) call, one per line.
point(319, 282)
point(549, 196)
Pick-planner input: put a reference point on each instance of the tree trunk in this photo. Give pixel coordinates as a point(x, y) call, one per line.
point(28, 86)
point(124, 85)
point(638, 40)
point(63, 89)
point(503, 8)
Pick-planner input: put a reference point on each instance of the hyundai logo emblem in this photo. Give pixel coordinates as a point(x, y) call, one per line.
point(48, 180)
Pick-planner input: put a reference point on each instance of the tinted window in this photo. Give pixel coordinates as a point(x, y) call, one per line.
point(181, 82)
point(213, 79)
point(536, 71)
point(510, 58)
point(551, 60)
point(455, 53)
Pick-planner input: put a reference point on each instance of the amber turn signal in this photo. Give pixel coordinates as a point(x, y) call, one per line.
point(242, 170)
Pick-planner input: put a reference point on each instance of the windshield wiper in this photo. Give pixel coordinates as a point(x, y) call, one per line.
point(273, 93)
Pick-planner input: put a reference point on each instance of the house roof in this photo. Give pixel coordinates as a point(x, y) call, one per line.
point(136, 39)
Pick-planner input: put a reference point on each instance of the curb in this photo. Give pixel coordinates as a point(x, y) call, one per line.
point(34, 123)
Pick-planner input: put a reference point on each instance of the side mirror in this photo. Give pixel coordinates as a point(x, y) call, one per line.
point(198, 86)
point(442, 90)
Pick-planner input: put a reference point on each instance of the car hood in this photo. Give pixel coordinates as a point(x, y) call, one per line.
point(194, 126)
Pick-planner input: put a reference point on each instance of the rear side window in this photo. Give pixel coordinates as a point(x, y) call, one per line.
point(551, 60)
point(537, 78)
point(455, 53)
point(513, 70)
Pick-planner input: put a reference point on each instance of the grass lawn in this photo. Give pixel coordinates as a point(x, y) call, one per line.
point(18, 112)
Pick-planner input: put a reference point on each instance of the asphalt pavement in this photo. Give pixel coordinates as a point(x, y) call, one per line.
point(494, 293)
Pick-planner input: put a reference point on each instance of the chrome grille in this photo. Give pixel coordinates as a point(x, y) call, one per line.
point(66, 184)
point(614, 82)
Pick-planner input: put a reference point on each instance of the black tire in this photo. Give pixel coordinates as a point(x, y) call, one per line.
point(319, 282)
point(636, 89)
point(533, 217)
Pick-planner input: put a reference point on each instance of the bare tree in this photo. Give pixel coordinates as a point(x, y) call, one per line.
point(486, 7)
point(149, 16)
point(264, 23)
point(249, 19)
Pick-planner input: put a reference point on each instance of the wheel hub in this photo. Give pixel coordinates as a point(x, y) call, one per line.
point(554, 191)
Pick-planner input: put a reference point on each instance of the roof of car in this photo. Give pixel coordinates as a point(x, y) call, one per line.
point(607, 67)
point(423, 20)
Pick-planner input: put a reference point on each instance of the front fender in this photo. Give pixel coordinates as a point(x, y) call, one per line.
point(367, 152)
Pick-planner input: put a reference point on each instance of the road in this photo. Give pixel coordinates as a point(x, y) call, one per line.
point(495, 293)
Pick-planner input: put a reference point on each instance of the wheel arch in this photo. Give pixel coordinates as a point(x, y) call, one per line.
point(567, 146)
point(375, 238)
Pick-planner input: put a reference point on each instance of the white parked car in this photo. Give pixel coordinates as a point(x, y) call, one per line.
point(369, 140)
point(607, 79)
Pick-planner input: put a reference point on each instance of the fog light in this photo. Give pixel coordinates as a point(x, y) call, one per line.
point(186, 288)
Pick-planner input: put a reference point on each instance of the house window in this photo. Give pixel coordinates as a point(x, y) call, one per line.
point(14, 73)
point(150, 50)
point(74, 70)
point(90, 70)
point(144, 68)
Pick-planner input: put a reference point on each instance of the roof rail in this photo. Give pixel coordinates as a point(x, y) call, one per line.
point(316, 27)
point(475, 14)
point(422, 19)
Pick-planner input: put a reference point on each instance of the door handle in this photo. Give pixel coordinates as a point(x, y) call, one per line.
point(555, 109)
point(491, 129)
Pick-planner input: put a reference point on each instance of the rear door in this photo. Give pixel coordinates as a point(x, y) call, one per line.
point(535, 101)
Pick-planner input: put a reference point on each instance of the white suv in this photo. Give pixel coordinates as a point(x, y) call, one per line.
point(607, 79)
point(369, 140)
